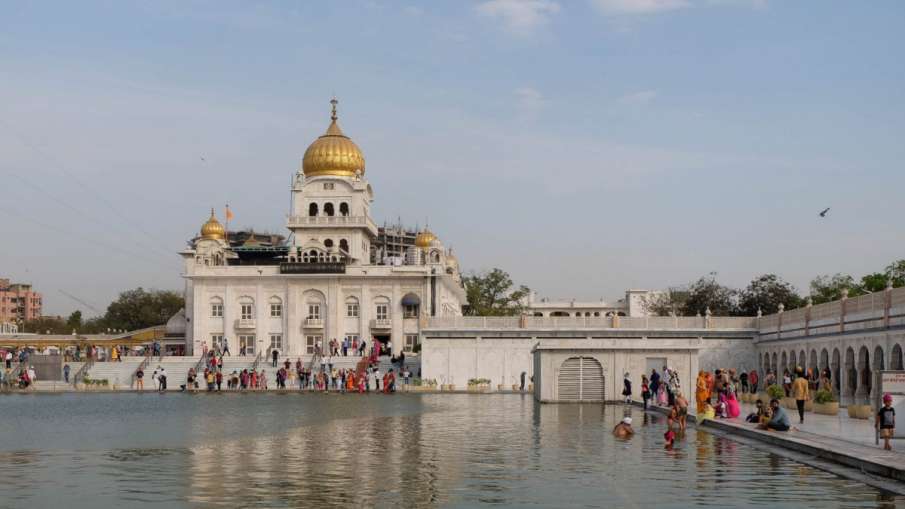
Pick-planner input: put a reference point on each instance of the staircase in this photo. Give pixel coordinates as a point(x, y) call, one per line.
point(177, 370)
point(117, 374)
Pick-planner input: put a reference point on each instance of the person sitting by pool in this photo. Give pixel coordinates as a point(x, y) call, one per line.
point(706, 413)
point(733, 409)
point(761, 415)
point(779, 421)
point(624, 428)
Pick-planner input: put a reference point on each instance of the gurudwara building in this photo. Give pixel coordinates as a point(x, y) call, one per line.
point(329, 279)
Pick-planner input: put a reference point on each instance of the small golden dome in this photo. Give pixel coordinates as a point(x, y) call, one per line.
point(425, 238)
point(212, 229)
point(333, 153)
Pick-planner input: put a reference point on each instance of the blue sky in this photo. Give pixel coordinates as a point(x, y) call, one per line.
point(584, 146)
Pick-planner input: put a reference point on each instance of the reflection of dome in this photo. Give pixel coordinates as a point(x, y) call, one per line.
point(333, 153)
point(425, 238)
point(212, 229)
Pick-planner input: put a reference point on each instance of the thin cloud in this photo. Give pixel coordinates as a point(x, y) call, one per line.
point(640, 7)
point(639, 98)
point(615, 7)
point(529, 99)
point(520, 17)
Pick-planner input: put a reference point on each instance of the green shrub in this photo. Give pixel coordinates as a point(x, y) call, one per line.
point(776, 391)
point(478, 381)
point(824, 396)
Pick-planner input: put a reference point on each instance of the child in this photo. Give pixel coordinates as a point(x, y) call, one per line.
point(886, 421)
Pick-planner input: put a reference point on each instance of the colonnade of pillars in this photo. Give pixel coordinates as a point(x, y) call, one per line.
point(851, 368)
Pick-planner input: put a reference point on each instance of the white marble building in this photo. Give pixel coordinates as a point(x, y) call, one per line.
point(633, 304)
point(321, 284)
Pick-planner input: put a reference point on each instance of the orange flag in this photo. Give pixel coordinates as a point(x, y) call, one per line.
point(229, 213)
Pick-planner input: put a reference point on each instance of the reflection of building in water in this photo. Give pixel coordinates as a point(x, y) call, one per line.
point(353, 455)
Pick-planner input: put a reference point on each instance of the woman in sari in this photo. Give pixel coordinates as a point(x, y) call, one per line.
point(711, 380)
point(702, 391)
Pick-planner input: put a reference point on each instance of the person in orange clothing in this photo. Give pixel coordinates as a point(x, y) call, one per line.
point(702, 391)
point(801, 392)
point(711, 380)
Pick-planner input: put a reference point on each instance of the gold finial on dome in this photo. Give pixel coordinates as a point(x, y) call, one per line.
point(333, 153)
point(424, 238)
point(212, 229)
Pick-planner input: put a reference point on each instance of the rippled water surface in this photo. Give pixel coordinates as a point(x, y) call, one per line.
point(293, 450)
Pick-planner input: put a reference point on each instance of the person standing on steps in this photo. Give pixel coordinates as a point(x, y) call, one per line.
point(225, 347)
point(627, 388)
point(800, 392)
point(162, 379)
point(274, 355)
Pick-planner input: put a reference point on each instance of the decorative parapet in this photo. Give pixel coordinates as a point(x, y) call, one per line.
point(878, 310)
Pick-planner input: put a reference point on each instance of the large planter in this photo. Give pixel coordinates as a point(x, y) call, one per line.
point(809, 406)
point(530, 387)
point(515, 387)
point(859, 411)
point(831, 408)
point(500, 387)
point(789, 403)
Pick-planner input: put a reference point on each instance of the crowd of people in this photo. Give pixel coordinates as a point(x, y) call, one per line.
point(320, 374)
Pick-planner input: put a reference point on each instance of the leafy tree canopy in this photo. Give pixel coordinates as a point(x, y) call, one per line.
point(766, 293)
point(491, 294)
point(706, 293)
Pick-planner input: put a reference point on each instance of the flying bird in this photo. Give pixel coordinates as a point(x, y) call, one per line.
point(824, 211)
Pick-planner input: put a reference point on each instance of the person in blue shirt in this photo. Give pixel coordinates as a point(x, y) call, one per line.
point(779, 421)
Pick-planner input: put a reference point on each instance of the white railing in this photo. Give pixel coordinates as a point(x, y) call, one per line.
point(314, 322)
point(381, 323)
point(245, 323)
point(295, 221)
point(590, 322)
point(875, 310)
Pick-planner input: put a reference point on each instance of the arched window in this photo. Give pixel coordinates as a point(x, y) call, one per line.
point(344, 245)
point(538, 313)
point(344, 209)
point(312, 210)
point(596, 313)
point(328, 209)
point(246, 308)
point(352, 309)
point(328, 243)
point(559, 313)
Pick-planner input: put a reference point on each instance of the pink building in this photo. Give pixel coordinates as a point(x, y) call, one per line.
point(18, 302)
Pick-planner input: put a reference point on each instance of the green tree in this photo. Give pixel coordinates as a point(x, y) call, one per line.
point(895, 271)
point(53, 324)
point(875, 282)
point(491, 294)
point(766, 293)
point(829, 288)
point(138, 308)
point(706, 293)
point(664, 303)
point(74, 322)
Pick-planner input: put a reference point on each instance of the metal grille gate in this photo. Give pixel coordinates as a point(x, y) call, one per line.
point(580, 379)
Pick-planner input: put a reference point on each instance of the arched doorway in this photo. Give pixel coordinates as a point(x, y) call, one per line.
point(580, 379)
point(879, 362)
point(835, 368)
point(773, 365)
point(785, 362)
point(793, 361)
point(895, 362)
point(851, 372)
point(864, 381)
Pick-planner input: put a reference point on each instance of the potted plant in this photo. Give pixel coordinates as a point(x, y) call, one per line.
point(775, 392)
point(860, 411)
point(825, 403)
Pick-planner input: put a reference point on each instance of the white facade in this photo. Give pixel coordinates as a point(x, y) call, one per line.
point(632, 305)
point(321, 285)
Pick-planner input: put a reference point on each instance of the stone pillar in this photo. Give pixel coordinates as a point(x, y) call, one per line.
point(807, 316)
point(842, 305)
point(780, 312)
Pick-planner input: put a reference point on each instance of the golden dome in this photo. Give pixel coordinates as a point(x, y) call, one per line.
point(425, 238)
point(333, 153)
point(212, 229)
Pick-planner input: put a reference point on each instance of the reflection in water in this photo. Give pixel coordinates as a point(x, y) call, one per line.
point(401, 451)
